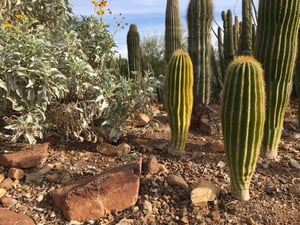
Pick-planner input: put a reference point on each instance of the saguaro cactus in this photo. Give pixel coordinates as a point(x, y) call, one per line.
point(134, 49)
point(276, 48)
point(200, 16)
point(179, 99)
point(243, 116)
point(173, 32)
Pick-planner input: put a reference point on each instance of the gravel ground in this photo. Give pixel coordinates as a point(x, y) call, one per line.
point(272, 201)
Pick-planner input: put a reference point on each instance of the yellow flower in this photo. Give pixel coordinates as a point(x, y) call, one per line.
point(20, 17)
point(94, 2)
point(7, 24)
point(100, 12)
point(103, 4)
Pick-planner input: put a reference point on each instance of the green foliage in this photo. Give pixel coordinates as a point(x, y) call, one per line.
point(60, 82)
point(153, 51)
point(96, 41)
point(243, 117)
point(29, 74)
point(52, 13)
point(179, 99)
point(276, 48)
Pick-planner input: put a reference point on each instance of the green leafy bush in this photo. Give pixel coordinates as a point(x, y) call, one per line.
point(52, 82)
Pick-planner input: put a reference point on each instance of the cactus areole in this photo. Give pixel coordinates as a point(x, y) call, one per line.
point(243, 117)
point(179, 99)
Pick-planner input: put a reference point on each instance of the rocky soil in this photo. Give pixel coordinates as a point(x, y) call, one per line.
point(275, 188)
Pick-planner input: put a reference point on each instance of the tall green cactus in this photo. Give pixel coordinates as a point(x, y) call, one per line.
point(276, 48)
point(134, 50)
point(173, 32)
point(243, 116)
point(200, 16)
point(229, 50)
point(179, 99)
point(246, 36)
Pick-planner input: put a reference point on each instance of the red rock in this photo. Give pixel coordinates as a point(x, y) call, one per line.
point(152, 165)
point(26, 157)
point(15, 173)
point(8, 201)
point(96, 196)
point(11, 218)
point(217, 147)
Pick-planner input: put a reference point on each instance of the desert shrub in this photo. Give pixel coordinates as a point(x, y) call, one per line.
point(52, 82)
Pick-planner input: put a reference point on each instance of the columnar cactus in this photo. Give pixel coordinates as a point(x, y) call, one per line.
point(179, 99)
point(246, 36)
point(134, 49)
point(276, 48)
point(173, 32)
point(229, 50)
point(200, 16)
point(243, 116)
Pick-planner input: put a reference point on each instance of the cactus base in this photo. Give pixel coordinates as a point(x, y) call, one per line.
point(176, 151)
point(271, 155)
point(242, 195)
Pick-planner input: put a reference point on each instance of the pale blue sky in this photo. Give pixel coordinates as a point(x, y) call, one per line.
point(148, 15)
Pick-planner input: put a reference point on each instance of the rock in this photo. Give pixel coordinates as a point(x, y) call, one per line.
point(16, 174)
point(217, 147)
point(93, 197)
point(38, 176)
point(7, 183)
point(112, 150)
point(204, 192)
point(125, 222)
point(2, 192)
point(26, 157)
point(2, 177)
point(295, 189)
point(177, 180)
point(152, 165)
point(11, 218)
point(8, 201)
point(141, 120)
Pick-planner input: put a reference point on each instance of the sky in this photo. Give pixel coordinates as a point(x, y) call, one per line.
point(148, 15)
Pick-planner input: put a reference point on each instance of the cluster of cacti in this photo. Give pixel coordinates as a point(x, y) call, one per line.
point(134, 50)
point(200, 16)
point(179, 99)
point(173, 28)
point(243, 117)
point(276, 48)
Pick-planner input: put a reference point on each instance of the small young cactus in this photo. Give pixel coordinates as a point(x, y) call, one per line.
point(243, 117)
point(179, 99)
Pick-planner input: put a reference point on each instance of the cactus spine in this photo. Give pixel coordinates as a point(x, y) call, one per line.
point(173, 32)
point(179, 99)
point(243, 116)
point(276, 48)
point(134, 50)
point(200, 17)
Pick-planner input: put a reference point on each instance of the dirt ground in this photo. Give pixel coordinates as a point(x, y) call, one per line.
point(271, 201)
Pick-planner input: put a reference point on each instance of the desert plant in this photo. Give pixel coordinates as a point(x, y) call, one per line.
point(276, 48)
point(173, 32)
point(200, 16)
point(179, 99)
point(243, 117)
point(134, 50)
